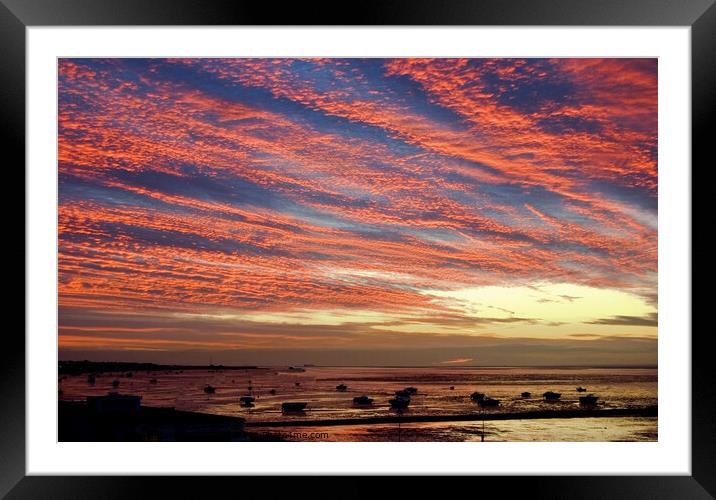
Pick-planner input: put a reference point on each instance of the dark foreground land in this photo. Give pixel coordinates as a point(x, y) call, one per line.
point(77, 422)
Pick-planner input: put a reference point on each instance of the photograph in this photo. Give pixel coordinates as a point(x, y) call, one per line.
point(361, 249)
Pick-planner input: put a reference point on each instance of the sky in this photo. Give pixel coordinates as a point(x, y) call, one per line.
point(447, 212)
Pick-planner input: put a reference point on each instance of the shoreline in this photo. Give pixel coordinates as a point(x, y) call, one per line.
point(650, 411)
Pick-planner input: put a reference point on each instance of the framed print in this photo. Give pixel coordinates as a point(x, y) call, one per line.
point(425, 239)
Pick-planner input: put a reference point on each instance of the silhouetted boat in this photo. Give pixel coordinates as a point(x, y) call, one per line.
point(298, 383)
point(296, 369)
point(246, 400)
point(293, 406)
point(399, 402)
point(152, 381)
point(526, 394)
point(209, 389)
point(341, 387)
point(411, 390)
point(362, 400)
point(551, 396)
point(115, 383)
point(272, 391)
point(581, 389)
point(485, 402)
point(477, 396)
point(588, 400)
point(91, 379)
point(403, 394)
point(452, 387)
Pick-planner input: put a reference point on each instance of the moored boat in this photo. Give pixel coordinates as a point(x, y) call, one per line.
point(293, 406)
point(341, 387)
point(588, 400)
point(581, 389)
point(209, 389)
point(477, 396)
point(411, 390)
point(246, 400)
point(526, 394)
point(488, 402)
point(152, 381)
point(402, 394)
point(399, 402)
point(551, 396)
point(362, 400)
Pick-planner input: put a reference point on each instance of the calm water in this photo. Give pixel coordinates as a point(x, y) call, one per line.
point(616, 388)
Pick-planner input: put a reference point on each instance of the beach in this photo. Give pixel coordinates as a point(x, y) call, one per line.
point(441, 409)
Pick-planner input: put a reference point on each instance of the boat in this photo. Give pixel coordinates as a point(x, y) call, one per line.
point(486, 401)
point(293, 406)
point(296, 369)
point(362, 400)
point(247, 400)
point(452, 387)
point(272, 391)
point(341, 387)
point(477, 396)
point(115, 383)
point(551, 396)
point(402, 394)
point(209, 389)
point(399, 402)
point(298, 383)
point(91, 379)
point(526, 394)
point(152, 381)
point(411, 390)
point(588, 400)
point(581, 389)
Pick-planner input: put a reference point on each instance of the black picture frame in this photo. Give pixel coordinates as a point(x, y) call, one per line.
point(16, 15)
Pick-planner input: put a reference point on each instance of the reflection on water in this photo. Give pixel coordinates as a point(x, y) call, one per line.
point(616, 388)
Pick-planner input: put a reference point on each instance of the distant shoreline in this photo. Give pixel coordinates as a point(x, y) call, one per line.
point(78, 367)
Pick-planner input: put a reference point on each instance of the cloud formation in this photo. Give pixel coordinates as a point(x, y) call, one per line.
point(361, 194)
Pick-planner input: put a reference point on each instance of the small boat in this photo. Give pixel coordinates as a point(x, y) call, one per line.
point(411, 390)
point(296, 369)
point(588, 400)
point(152, 381)
point(115, 383)
point(272, 391)
point(402, 394)
point(91, 379)
point(551, 396)
point(293, 406)
point(298, 383)
point(341, 387)
point(399, 402)
point(246, 400)
point(209, 389)
point(485, 402)
point(362, 400)
point(452, 387)
point(581, 389)
point(477, 396)
point(526, 394)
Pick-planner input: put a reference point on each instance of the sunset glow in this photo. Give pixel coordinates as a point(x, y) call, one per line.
point(243, 205)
